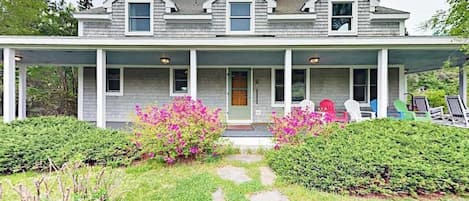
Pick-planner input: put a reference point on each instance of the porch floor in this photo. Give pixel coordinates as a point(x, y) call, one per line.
point(258, 130)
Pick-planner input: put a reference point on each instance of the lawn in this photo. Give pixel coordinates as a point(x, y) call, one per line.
point(154, 180)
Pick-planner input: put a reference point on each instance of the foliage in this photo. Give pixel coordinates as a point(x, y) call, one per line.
point(298, 126)
point(29, 144)
point(20, 17)
point(85, 4)
point(385, 157)
point(58, 20)
point(184, 129)
point(76, 181)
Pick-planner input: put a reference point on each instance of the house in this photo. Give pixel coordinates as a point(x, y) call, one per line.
point(247, 57)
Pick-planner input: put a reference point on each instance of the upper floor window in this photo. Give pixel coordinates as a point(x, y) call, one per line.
point(343, 17)
point(139, 17)
point(240, 16)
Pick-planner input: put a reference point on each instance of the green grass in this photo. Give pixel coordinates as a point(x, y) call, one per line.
point(196, 181)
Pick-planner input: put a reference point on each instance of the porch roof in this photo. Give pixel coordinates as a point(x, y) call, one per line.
point(415, 53)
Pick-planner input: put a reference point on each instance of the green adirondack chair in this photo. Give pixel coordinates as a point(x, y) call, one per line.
point(405, 114)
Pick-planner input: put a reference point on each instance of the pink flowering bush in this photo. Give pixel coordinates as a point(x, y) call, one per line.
point(299, 125)
point(183, 129)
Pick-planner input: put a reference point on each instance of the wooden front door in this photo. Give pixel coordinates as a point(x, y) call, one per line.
point(239, 95)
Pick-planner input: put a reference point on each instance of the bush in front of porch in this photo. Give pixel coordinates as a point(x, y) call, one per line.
point(30, 144)
point(185, 129)
point(384, 157)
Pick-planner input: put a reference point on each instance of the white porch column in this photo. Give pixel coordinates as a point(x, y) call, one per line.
point(9, 94)
point(288, 81)
point(80, 94)
point(463, 84)
point(193, 74)
point(402, 84)
point(22, 93)
point(101, 88)
point(382, 83)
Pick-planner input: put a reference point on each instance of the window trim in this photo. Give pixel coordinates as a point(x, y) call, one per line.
point(121, 80)
point(354, 30)
point(272, 86)
point(138, 33)
point(252, 17)
point(172, 93)
point(368, 84)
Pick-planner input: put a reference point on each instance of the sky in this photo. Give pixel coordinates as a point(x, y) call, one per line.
point(420, 11)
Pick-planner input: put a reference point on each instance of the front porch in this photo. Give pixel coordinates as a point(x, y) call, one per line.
point(247, 78)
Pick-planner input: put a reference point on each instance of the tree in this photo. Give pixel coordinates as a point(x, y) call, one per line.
point(21, 17)
point(59, 20)
point(85, 4)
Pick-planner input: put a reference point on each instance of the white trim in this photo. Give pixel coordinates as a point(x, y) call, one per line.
point(192, 78)
point(107, 4)
point(292, 17)
point(228, 77)
point(254, 42)
point(79, 16)
point(402, 28)
point(121, 84)
point(239, 121)
point(207, 6)
point(101, 88)
point(251, 73)
point(354, 22)
point(169, 5)
point(80, 95)
point(9, 85)
point(138, 33)
point(81, 26)
point(271, 5)
point(374, 16)
point(190, 18)
point(22, 90)
point(171, 82)
point(373, 4)
point(252, 17)
point(276, 104)
point(227, 83)
point(310, 5)
point(402, 84)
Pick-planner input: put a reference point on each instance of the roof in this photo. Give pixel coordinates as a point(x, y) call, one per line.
point(98, 10)
point(189, 7)
point(386, 10)
point(289, 6)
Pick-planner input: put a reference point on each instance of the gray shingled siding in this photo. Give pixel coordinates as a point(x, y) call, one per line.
point(211, 88)
point(319, 27)
point(262, 101)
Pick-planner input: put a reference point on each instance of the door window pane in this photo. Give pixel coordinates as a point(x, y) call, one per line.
point(239, 88)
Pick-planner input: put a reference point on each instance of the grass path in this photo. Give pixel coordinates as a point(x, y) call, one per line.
point(186, 182)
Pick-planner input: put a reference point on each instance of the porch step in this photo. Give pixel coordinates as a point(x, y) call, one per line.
point(246, 144)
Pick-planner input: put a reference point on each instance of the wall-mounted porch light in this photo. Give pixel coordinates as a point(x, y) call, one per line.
point(165, 60)
point(314, 60)
point(18, 58)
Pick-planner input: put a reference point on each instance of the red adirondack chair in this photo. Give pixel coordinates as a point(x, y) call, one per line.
point(327, 106)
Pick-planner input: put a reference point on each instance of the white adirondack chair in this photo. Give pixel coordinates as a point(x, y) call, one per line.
point(422, 105)
point(356, 115)
point(307, 105)
point(457, 109)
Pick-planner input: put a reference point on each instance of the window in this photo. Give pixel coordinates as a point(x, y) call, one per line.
point(298, 85)
point(114, 82)
point(364, 85)
point(343, 17)
point(179, 82)
point(240, 16)
point(139, 19)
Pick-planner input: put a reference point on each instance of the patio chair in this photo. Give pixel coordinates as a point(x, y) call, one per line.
point(356, 115)
point(307, 105)
point(422, 105)
point(457, 109)
point(405, 114)
point(328, 106)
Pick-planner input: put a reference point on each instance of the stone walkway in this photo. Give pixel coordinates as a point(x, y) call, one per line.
point(238, 176)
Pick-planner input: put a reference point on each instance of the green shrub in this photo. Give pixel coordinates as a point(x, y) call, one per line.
point(380, 157)
point(29, 144)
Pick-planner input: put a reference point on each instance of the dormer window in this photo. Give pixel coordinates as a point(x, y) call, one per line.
point(240, 16)
point(343, 17)
point(139, 18)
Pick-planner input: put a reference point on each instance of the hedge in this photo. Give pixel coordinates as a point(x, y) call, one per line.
point(385, 157)
point(29, 144)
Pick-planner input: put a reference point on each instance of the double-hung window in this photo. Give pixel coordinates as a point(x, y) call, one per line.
point(139, 17)
point(343, 17)
point(364, 85)
point(179, 82)
point(114, 81)
point(298, 85)
point(240, 19)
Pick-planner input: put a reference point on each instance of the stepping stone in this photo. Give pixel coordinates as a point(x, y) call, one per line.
point(268, 195)
point(235, 174)
point(267, 176)
point(218, 195)
point(245, 158)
